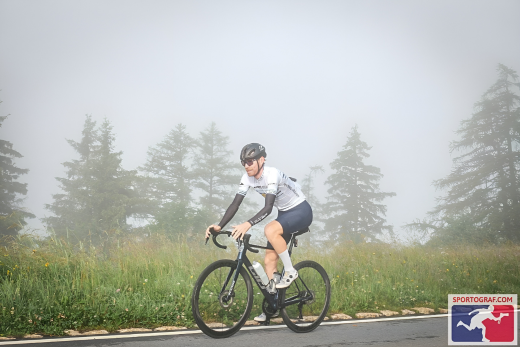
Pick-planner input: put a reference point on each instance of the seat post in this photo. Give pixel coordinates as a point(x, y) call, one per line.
point(291, 243)
point(293, 239)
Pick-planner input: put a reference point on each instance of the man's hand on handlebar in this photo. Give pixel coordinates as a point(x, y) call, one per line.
point(240, 230)
point(215, 227)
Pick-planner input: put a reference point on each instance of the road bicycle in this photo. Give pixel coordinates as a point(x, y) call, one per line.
point(222, 297)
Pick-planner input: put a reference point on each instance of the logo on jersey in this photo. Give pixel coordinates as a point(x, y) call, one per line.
point(482, 319)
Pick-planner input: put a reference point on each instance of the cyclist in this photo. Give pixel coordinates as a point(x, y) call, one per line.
point(280, 191)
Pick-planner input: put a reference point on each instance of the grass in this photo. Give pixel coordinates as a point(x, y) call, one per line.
point(50, 286)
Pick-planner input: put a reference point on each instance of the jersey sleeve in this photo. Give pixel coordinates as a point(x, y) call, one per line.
point(243, 187)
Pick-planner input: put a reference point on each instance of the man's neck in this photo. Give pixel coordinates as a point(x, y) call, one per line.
point(257, 176)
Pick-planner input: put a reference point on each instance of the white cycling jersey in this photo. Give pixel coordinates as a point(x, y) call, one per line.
point(273, 181)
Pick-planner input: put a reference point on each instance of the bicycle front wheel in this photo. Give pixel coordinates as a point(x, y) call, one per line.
point(219, 310)
point(307, 298)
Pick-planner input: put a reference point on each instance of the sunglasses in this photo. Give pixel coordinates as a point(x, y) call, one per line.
point(249, 162)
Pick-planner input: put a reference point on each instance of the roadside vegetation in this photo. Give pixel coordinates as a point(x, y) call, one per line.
point(146, 281)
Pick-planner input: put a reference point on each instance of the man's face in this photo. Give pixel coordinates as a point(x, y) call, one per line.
point(253, 168)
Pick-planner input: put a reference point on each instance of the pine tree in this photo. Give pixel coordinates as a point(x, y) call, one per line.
point(72, 209)
point(12, 216)
point(308, 186)
point(98, 194)
point(169, 181)
point(484, 185)
point(352, 205)
point(167, 164)
point(216, 173)
point(114, 195)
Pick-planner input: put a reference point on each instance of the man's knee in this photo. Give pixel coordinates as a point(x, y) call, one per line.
point(272, 229)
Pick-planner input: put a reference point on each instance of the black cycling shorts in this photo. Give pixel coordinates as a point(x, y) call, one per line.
point(297, 218)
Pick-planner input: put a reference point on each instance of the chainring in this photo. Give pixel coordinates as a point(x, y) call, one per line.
point(267, 309)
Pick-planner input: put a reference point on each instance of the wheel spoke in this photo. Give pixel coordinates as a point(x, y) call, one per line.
point(312, 285)
point(213, 314)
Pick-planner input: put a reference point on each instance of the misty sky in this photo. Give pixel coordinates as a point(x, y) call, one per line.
point(295, 76)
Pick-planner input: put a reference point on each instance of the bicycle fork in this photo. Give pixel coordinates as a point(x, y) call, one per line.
point(236, 271)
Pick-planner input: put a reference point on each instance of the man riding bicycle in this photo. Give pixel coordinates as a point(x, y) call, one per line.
point(280, 191)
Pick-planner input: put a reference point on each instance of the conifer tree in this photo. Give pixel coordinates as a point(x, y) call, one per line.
point(308, 187)
point(12, 215)
point(114, 194)
point(169, 180)
point(216, 173)
point(72, 209)
point(167, 163)
point(98, 194)
point(484, 184)
point(353, 209)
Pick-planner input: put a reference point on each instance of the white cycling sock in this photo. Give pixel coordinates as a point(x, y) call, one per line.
point(286, 259)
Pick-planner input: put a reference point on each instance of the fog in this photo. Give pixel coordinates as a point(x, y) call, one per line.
point(295, 76)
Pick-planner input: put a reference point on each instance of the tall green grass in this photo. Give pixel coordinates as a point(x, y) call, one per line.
point(50, 286)
point(373, 277)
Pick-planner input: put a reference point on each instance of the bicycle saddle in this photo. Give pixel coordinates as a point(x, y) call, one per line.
point(299, 232)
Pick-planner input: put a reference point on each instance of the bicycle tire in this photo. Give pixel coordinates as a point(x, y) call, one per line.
point(315, 278)
point(212, 316)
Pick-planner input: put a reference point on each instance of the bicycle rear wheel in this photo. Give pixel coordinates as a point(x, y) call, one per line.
point(313, 285)
point(217, 313)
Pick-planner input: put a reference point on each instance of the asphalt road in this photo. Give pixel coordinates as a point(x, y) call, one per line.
point(428, 331)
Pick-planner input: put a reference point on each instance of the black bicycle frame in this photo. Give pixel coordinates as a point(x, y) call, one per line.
point(272, 299)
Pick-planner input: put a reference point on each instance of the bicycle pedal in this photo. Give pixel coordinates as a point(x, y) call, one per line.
point(266, 322)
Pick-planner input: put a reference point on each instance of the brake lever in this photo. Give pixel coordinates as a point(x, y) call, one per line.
point(207, 238)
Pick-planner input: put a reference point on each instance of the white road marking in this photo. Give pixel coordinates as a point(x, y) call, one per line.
point(189, 332)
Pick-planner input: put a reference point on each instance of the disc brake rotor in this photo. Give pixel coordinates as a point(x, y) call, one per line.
point(221, 298)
